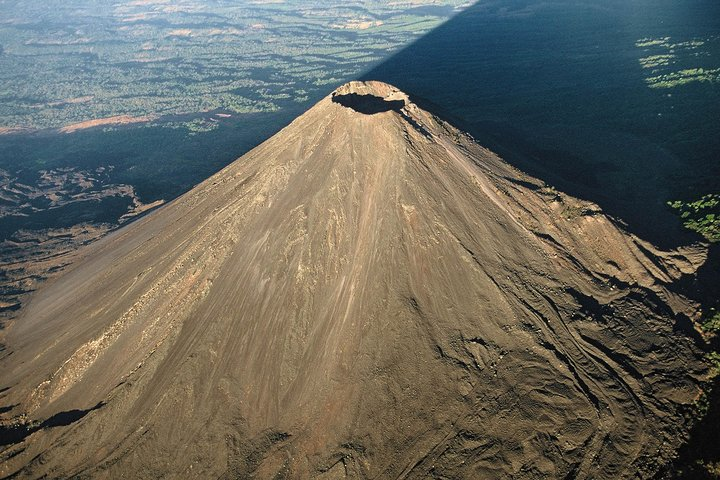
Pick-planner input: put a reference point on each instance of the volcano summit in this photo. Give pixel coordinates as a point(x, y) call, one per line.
point(368, 294)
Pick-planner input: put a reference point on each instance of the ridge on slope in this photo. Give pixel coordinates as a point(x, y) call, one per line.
point(368, 293)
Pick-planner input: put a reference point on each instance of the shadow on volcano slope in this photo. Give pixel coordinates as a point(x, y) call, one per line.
point(558, 89)
point(368, 104)
point(17, 433)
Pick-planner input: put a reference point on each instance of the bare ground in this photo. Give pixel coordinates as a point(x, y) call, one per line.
point(364, 295)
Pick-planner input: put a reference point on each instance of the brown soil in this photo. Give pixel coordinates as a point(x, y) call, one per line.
point(99, 122)
point(365, 295)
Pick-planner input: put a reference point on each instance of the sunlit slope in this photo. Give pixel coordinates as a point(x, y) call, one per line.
point(367, 294)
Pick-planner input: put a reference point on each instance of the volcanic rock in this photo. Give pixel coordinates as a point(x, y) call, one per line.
point(368, 294)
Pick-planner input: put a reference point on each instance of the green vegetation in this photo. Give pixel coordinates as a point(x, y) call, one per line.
point(712, 323)
point(654, 61)
point(684, 77)
point(665, 42)
point(699, 458)
point(702, 216)
point(711, 326)
point(193, 127)
point(714, 360)
point(65, 63)
point(652, 42)
point(674, 64)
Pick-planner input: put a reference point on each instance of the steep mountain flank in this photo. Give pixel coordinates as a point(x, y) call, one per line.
point(368, 294)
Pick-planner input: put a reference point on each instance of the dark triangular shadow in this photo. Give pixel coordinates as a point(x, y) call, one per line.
point(557, 89)
point(15, 433)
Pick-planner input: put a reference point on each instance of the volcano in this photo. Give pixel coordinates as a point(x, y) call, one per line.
point(367, 294)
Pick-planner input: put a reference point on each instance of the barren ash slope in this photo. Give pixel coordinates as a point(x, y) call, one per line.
point(368, 294)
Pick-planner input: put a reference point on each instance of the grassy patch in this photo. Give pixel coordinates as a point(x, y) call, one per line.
point(714, 359)
point(683, 77)
point(702, 216)
point(712, 322)
point(654, 61)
